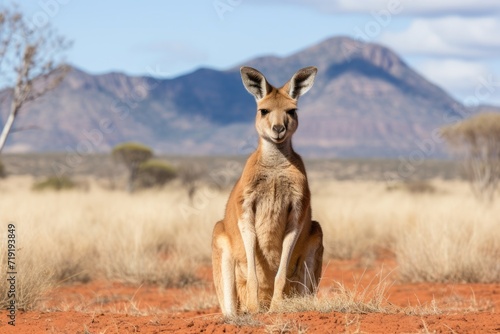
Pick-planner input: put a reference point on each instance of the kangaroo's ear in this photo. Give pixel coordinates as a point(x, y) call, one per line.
point(301, 82)
point(255, 82)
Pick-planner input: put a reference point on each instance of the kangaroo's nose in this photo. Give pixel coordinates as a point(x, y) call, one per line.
point(278, 128)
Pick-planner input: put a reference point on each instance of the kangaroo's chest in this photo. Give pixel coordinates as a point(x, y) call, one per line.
point(276, 196)
point(273, 197)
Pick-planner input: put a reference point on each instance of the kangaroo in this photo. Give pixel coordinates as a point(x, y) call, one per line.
point(267, 247)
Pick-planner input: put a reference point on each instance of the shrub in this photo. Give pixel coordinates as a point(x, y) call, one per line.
point(153, 173)
point(477, 141)
point(414, 187)
point(54, 183)
point(132, 155)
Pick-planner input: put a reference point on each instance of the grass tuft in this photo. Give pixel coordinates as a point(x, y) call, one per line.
point(32, 282)
point(358, 299)
point(242, 320)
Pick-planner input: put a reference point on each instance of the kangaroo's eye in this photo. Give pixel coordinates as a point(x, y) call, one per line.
point(292, 112)
point(264, 112)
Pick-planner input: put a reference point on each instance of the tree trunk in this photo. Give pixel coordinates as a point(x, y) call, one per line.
point(131, 180)
point(17, 97)
point(8, 125)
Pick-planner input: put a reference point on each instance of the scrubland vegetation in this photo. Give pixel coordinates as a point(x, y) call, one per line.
point(441, 236)
point(162, 236)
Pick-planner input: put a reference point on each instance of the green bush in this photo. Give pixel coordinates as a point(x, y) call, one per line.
point(2, 171)
point(154, 173)
point(131, 152)
point(132, 155)
point(414, 187)
point(54, 183)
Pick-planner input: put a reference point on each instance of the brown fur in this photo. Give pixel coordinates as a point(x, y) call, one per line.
point(270, 200)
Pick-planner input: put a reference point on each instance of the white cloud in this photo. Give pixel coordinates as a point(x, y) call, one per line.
point(450, 36)
point(425, 7)
point(409, 7)
point(463, 79)
point(452, 73)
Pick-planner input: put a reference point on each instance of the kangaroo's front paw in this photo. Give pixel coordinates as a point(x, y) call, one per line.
point(275, 305)
point(252, 308)
point(252, 303)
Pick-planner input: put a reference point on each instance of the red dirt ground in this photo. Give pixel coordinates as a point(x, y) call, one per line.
point(110, 307)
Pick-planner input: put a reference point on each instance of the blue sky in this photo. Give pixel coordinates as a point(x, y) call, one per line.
point(454, 43)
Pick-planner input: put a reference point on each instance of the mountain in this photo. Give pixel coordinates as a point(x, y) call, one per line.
point(366, 102)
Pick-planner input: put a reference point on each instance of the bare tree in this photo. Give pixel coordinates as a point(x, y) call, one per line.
point(30, 62)
point(477, 141)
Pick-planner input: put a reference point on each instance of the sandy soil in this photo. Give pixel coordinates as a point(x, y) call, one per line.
point(111, 307)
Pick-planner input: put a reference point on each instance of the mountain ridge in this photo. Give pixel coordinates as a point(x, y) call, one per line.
point(366, 102)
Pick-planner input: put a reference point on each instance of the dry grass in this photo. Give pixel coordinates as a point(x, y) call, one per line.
point(158, 237)
point(33, 280)
point(78, 236)
point(198, 300)
point(360, 299)
point(242, 320)
point(462, 245)
point(451, 305)
point(446, 236)
point(357, 217)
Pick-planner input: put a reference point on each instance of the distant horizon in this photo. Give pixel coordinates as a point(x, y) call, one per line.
point(243, 156)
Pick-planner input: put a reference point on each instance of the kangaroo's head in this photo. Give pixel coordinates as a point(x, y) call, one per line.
point(277, 119)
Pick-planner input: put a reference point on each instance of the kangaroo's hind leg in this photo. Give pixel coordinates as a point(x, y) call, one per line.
point(223, 270)
point(308, 271)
